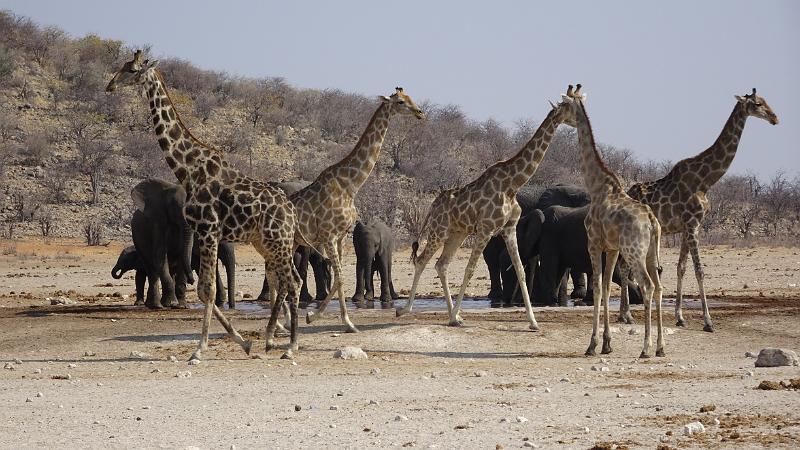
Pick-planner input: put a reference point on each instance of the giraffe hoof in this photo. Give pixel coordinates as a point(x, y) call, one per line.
point(590, 352)
point(708, 328)
point(247, 346)
point(400, 312)
point(644, 355)
point(534, 327)
point(456, 323)
point(351, 329)
point(681, 323)
point(287, 355)
point(195, 356)
point(606, 350)
point(660, 353)
point(310, 317)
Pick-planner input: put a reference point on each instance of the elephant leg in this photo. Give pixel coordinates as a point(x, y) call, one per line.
point(220, 297)
point(392, 292)
point(369, 288)
point(141, 278)
point(490, 254)
point(180, 289)
point(322, 275)
point(153, 288)
point(167, 285)
point(386, 281)
point(358, 297)
point(263, 296)
point(301, 267)
point(563, 298)
point(510, 286)
point(578, 285)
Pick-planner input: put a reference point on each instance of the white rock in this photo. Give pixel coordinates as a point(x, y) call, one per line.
point(183, 374)
point(663, 438)
point(137, 354)
point(565, 380)
point(172, 358)
point(39, 394)
point(334, 408)
point(529, 444)
point(481, 373)
point(28, 400)
point(400, 418)
point(585, 429)
point(37, 371)
point(693, 428)
point(194, 362)
point(521, 419)
point(620, 395)
point(71, 366)
point(548, 390)
point(8, 366)
point(374, 402)
point(775, 357)
point(350, 353)
point(17, 361)
point(89, 353)
point(716, 421)
point(750, 355)
point(375, 371)
point(62, 300)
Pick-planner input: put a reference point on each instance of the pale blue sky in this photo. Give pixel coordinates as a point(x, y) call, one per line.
point(660, 75)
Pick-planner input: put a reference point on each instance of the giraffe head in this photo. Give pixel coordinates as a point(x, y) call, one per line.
point(401, 103)
point(132, 72)
point(570, 102)
point(756, 106)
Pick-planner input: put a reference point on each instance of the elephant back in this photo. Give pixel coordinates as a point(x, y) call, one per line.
point(563, 195)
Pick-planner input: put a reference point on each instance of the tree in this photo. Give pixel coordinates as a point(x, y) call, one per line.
point(776, 200)
point(93, 161)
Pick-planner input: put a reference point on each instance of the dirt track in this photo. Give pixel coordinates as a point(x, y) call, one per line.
point(458, 388)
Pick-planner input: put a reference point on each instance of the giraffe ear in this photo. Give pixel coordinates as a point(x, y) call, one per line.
point(384, 99)
point(151, 63)
point(740, 99)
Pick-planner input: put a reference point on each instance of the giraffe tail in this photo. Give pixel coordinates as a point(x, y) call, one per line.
point(414, 248)
point(301, 240)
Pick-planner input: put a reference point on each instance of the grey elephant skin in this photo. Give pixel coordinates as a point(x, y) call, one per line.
point(161, 234)
point(373, 243)
point(302, 258)
point(562, 243)
point(501, 274)
point(129, 259)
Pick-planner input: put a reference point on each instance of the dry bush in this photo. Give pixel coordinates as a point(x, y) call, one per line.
point(94, 161)
point(46, 221)
point(93, 231)
point(309, 168)
point(55, 183)
point(7, 64)
point(379, 198)
point(37, 148)
point(8, 126)
point(413, 210)
point(148, 158)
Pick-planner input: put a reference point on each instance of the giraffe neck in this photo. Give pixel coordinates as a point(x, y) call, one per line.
point(354, 169)
point(517, 170)
point(598, 178)
point(182, 150)
point(714, 161)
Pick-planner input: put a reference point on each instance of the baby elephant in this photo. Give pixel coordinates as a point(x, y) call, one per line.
point(373, 244)
point(129, 259)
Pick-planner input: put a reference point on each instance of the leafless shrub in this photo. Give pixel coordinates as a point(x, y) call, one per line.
point(204, 105)
point(413, 210)
point(93, 230)
point(9, 226)
point(23, 204)
point(55, 183)
point(36, 148)
point(8, 126)
point(46, 221)
point(281, 135)
point(7, 153)
point(379, 198)
point(94, 158)
point(310, 167)
point(7, 64)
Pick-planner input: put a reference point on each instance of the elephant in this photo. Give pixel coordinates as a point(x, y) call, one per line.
point(502, 276)
point(129, 259)
point(161, 234)
point(373, 243)
point(302, 258)
point(559, 235)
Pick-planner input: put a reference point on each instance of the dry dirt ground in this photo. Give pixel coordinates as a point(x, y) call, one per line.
point(97, 374)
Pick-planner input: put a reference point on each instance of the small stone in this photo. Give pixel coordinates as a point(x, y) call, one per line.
point(39, 394)
point(334, 408)
point(529, 444)
point(89, 353)
point(71, 366)
point(96, 422)
point(37, 371)
point(400, 418)
point(194, 362)
point(17, 361)
point(620, 395)
point(155, 371)
point(585, 429)
point(776, 357)
point(61, 301)
point(663, 438)
point(750, 355)
point(633, 331)
point(693, 428)
point(298, 407)
point(350, 353)
point(481, 373)
point(565, 380)
point(716, 421)
point(137, 354)
point(333, 425)
point(548, 390)
point(172, 358)
point(28, 400)
point(183, 374)
point(504, 420)
point(708, 408)
point(375, 371)
point(521, 419)
point(374, 402)
point(8, 366)
point(145, 407)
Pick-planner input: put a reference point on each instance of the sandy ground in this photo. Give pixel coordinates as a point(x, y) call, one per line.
point(491, 383)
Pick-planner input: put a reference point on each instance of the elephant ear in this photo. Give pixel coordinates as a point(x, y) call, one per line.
point(138, 198)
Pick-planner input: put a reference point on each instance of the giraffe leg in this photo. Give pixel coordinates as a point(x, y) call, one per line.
point(652, 270)
point(433, 244)
point(294, 286)
point(693, 242)
point(510, 237)
point(349, 327)
point(451, 245)
point(477, 251)
point(206, 290)
point(638, 265)
point(624, 301)
point(611, 262)
point(311, 316)
point(596, 255)
point(275, 279)
point(680, 321)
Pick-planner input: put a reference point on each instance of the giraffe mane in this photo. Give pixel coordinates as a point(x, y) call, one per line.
point(186, 129)
point(600, 163)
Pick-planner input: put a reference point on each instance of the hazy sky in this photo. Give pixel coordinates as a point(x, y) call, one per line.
point(660, 75)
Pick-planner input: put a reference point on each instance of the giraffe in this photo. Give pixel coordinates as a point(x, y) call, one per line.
point(679, 198)
point(616, 225)
point(222, 204)
point(484, 207)
point(325, 208)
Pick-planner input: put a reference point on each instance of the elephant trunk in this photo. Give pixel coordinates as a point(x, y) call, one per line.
point(186, 237)
point(117, 272)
